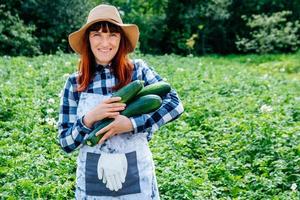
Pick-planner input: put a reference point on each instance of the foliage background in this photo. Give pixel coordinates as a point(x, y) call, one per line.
point(32, 27)
point(239, 137)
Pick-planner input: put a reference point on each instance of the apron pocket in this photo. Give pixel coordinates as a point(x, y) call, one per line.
point(95, 187)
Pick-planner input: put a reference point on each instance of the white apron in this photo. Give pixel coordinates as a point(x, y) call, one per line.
point(140, 181)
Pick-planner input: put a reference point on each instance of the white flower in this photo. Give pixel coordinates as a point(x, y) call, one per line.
point(67, 63)
point(51, 101)
point(50, 110)
point(266, 109)
point(66, 75)
point(265, 77)
point(50, 121)
point(41, 120)
point(294, 187)
point(180, 69)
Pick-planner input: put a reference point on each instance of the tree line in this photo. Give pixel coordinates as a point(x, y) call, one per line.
point(33, 27)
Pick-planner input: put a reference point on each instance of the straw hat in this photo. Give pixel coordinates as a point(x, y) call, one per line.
point(104, 13)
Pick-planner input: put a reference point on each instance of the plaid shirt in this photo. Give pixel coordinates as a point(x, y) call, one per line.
point(72, 130)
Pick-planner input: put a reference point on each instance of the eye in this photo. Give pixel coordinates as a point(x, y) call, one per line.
point(94, 34)
point(113, 34)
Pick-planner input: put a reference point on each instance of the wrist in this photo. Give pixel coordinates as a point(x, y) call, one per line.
point(130, 124)
point(87, 120)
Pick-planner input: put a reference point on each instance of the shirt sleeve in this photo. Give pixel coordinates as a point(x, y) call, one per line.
point(71, 129)
point(170, 109)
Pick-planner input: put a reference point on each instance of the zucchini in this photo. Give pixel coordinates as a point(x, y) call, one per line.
point(142, 105)
point(139, 106)
point(129, 91)
point(92, 139)
point(159, 88)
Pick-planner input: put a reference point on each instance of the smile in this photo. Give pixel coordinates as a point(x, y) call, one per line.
point(104, 50)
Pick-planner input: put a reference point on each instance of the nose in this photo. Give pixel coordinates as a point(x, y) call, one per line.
point(104, 42)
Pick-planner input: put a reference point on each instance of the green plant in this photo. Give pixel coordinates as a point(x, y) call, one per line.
point(16, 38)
point(239, 137)
point(272, 33)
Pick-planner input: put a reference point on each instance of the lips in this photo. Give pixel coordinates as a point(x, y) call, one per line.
point(104, 50)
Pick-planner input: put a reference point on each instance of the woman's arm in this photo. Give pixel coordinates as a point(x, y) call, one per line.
point(171, 107)
point(71, 131)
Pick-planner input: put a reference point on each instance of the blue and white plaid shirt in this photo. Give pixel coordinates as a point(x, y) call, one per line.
point(72, 130)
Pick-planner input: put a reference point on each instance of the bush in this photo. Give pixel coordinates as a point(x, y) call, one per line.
point(150, 17)
point(15, 37)
point(33, 26)
point(55, 20)
point(180, 27)
point(270, 34)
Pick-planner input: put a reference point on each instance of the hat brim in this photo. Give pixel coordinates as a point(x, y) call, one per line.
point(131, 31)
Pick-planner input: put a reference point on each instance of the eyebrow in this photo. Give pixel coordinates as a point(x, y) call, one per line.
point(103, 32)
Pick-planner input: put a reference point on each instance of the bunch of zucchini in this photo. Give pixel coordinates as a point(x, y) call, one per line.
point(139, 100)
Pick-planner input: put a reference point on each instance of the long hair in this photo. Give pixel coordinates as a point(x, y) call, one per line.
point(121, 66)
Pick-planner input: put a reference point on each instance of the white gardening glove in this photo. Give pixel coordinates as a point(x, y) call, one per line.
point(112, 168)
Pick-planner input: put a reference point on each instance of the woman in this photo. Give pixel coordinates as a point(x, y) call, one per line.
point(121, 165)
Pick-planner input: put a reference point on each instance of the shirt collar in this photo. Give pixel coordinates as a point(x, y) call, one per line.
point(101, 67)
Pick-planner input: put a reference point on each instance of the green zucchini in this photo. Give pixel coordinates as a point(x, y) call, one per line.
point(159, 88)
point(142, 105)
point(92, 139)
point(129, 91)
point(139, 106)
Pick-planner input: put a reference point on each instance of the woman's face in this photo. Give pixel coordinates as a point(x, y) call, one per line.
point(104, 45)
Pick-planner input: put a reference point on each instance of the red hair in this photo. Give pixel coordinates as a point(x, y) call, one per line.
point(121, 66)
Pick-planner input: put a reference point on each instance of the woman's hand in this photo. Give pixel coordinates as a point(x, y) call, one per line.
point(121, 124)
point(109, 108)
